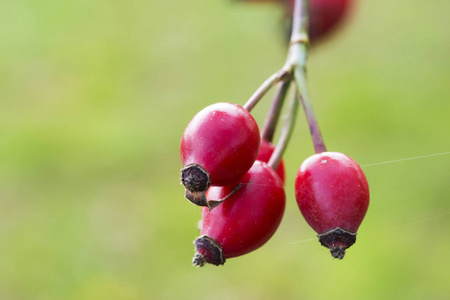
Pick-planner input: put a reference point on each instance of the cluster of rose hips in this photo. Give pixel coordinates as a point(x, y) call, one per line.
point(237, 175)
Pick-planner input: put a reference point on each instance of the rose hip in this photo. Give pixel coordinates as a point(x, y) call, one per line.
point(324, 16)
point(243, 222)
point(218, 147)
point(333, 196)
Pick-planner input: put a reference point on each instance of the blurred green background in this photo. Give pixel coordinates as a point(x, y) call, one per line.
point(94, 98)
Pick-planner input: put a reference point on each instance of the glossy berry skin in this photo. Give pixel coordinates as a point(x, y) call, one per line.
point(243, 222)
point(221, 140)
point(265, 152)
point(332, 192)
point(324, 16)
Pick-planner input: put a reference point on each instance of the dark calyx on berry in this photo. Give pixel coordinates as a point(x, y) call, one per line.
point(207, 251)
point(337, 240)
point(196, 180)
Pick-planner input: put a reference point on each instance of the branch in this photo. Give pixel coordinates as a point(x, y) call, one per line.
point(298, 53)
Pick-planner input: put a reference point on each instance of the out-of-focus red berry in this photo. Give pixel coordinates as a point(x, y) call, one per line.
point(324, 16)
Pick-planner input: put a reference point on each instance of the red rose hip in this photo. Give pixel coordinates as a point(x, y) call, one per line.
point(244, 221)
point(333, 196)
point(324, 16)
point(218, 147)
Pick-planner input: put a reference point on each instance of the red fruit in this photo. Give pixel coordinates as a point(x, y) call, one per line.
point(244, 221)
point(333, 196)
point(265, 152)
point(218, 147)
point(324, 16)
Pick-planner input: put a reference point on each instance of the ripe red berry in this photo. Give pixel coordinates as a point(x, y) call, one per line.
point(265, 152)
point(218, 147)
point(333, 196)
point(243, 222)
point(324, 16)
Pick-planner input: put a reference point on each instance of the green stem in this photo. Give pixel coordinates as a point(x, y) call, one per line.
point(285, 135)
point(303, 97)
point(274, 113)
point(283, 74)
point(298, 53)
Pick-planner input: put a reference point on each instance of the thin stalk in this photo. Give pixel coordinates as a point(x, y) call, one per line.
point(303, 97)
point(298, 53)
point(285, 135)
point(271, 121)
point(300, 22)
point(283, 74)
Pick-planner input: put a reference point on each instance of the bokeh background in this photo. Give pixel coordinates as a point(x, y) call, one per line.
point(95, 95)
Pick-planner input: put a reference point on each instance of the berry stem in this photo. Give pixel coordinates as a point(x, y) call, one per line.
point(298, 53)
point(281, 75)
point(316, 135)
point(286, 133)
point(271, 121)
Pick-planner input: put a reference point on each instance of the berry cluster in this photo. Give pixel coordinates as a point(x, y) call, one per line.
point(226, 171)
point(237, 175)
